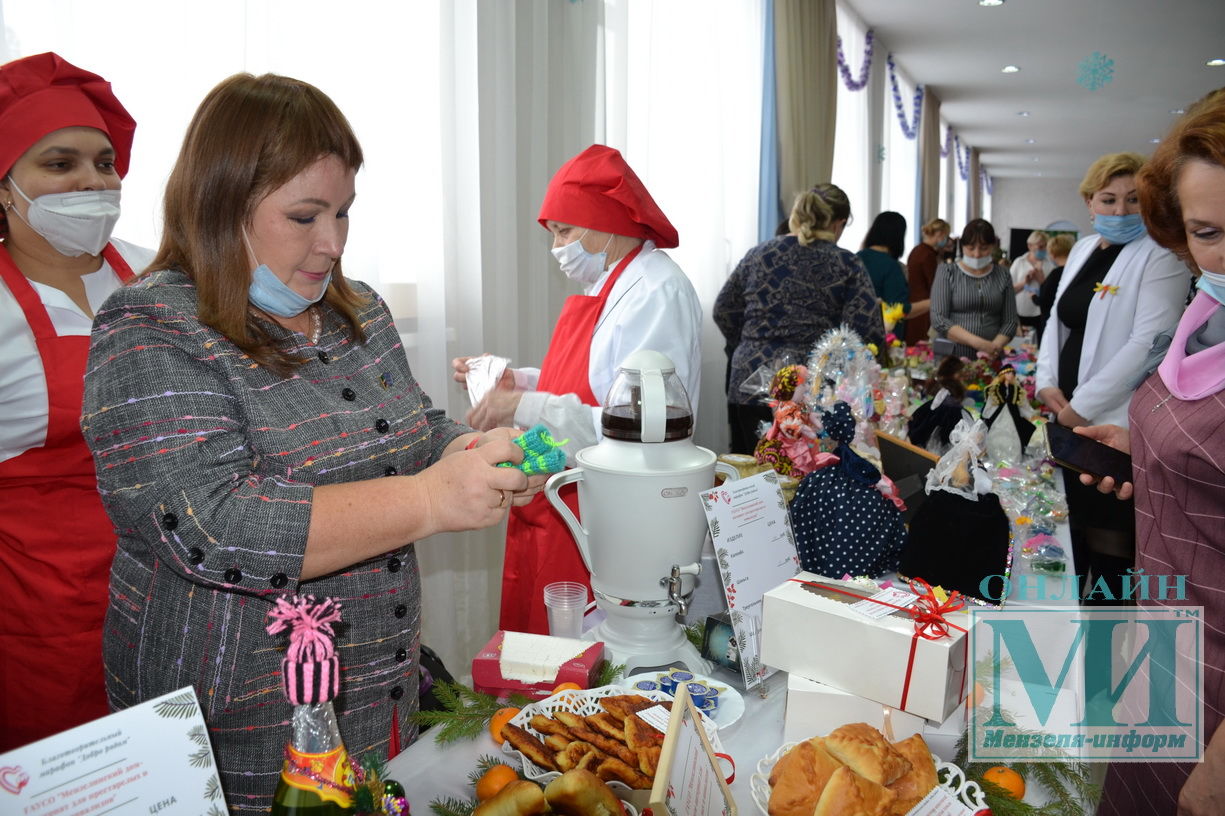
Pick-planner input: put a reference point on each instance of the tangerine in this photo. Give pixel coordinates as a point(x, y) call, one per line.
point(493, 780)
point(1006, 778)
point(500, 718)
point(567, 687)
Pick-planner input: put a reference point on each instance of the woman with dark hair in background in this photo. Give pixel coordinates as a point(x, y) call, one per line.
point(921, 267)
point(881, 256)
point(784, 294)
point(972, 299)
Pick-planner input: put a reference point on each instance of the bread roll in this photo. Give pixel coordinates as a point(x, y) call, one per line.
point(866, 751)
point(799, 777)
point(849, 794)
point(913, 785)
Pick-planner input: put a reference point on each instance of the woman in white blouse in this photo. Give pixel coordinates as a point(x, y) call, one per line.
point(1118, 291)
point(65, 142)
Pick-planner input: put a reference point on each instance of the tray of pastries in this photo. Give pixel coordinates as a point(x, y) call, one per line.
point(598, 730)
point(855, 770)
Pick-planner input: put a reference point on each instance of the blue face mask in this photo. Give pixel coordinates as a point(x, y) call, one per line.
point(1119, 229)
point(1213, 284)
point(269, 293)
point(942, 243)
point(1040, 254)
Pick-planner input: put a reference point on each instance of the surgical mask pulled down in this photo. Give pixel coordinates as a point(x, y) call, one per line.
point(271, 294)
point(578, 264)
point(1212, 283)
point(75, 223)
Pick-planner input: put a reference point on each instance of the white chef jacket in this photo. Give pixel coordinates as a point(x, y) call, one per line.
point(651, 306)
point(1025, 302)
point(23, 385)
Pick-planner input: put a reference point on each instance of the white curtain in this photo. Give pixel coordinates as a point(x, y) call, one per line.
point(852, 146)
point(464, 108)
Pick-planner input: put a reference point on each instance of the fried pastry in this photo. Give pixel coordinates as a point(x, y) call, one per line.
point(606, 724)
point(613, 768)
point(578, 727)
point(582, 793)
point(913, 785)
point(529, 746)
point(866, 752)
point(544, 725)
point(849, 794)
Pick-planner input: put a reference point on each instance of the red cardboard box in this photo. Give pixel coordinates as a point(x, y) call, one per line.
point(487, 672)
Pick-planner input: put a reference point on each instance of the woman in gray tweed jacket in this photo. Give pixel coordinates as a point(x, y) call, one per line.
point(259, 433)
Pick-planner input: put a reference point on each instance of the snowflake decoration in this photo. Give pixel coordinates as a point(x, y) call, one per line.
point(880, 153)
point(1096, 70)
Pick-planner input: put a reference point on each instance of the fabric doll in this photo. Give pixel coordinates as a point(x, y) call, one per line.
point(1008, 430)
point(843, 521)
point(934, 420)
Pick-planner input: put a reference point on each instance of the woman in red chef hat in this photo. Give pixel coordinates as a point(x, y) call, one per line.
point(65, 142)
point(609, 235)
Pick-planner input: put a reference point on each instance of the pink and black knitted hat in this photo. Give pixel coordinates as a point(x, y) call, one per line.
point(310, 671)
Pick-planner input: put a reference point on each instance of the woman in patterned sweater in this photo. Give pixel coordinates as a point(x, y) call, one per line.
point(786, 293)
point(259, 433)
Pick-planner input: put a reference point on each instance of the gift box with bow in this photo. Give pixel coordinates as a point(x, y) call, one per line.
point(912, 658)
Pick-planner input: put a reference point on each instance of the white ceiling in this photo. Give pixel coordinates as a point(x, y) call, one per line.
point(957, 49)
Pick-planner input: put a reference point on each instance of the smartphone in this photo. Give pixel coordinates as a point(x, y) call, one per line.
point(1085, 455)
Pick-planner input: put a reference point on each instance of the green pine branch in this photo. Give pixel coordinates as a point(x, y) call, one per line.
point(451, 806)
point(484, 763)
point(465, 713)
point(695, 632)
point(608, 673)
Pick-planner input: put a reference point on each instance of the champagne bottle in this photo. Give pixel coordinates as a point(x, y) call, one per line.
point(317, 777)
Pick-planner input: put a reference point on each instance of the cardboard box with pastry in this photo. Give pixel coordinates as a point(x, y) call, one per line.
point(853, 771)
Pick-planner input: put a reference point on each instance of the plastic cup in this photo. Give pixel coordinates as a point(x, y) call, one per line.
point(565, 601)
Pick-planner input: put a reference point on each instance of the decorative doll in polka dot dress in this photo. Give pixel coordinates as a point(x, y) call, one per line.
point(843, 522)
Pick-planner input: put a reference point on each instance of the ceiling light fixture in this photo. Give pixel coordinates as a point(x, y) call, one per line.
point(1012, 69)
point(1022, 113)
point(991, 2)
point(1177, 112)
point(1035, 158)
point(1154, 141)
point(1031, 141)
point(1215, 62)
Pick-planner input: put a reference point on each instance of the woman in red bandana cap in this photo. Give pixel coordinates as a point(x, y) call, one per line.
point(65, 142)
point(609, 235)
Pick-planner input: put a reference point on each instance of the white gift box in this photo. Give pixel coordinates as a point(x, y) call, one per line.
point(820, 637)
point(814, 709)
point(942, 738)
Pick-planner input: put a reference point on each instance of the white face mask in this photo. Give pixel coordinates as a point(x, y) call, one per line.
point(580, 265)
point(977, 263)
point(78, 223)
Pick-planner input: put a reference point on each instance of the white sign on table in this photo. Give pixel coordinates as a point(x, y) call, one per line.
point(750, 528)
point(152, 758)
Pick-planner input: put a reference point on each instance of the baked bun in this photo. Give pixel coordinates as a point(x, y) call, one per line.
point(582, 793)
point(849, 794)
point(866, 752)
point(518, 798)
point(799, 777)
point(913, 785)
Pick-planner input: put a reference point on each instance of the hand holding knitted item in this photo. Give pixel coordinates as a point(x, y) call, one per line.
point(541, 453)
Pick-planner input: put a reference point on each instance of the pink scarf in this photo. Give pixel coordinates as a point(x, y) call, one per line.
point(1202, 374)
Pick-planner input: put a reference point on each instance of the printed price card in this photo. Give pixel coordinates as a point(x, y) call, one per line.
point(755, 549)
point(152, 758)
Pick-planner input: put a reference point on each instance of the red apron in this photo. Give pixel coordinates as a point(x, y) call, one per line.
point(539, 546)
point(56, 546)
